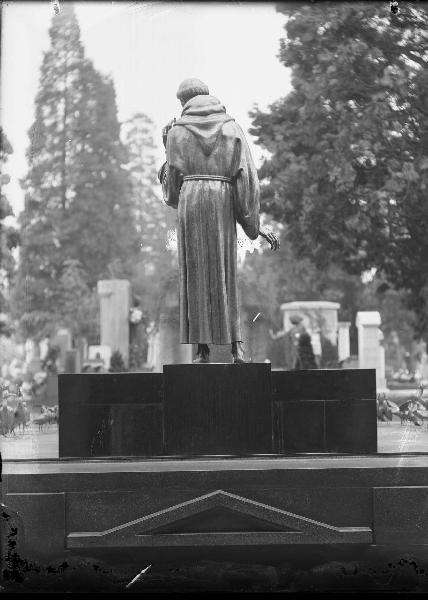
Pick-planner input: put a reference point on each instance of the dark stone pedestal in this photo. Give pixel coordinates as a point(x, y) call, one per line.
point(218, 409)
point(110, 414)
point(325, 411)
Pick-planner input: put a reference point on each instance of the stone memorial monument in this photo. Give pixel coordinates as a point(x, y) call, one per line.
point(64, 340)
point(169, 350)
point(319, 316)
point(371, 353)
point(242, 411)
point(319, 320)
point(115, 303)
point(343, 341)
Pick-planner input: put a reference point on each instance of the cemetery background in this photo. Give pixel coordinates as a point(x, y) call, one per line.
point(89, 284)
point(89, 266)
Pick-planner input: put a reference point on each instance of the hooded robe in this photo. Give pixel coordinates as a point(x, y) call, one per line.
point(207, 141)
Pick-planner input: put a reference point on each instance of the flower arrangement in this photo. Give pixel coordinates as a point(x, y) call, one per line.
point(135, 315)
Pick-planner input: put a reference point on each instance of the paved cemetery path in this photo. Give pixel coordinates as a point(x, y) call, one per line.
point(31, 444)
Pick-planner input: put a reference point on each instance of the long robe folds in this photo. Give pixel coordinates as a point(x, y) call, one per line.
point(206, 141)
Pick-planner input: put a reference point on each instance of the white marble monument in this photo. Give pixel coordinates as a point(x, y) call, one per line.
point(371, 353)
point(319, 319)
point(343, 341)
point(115, 303)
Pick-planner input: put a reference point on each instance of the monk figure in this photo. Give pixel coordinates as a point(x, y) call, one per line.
point(210, 178)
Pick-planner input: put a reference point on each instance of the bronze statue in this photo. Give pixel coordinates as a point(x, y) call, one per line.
point(210, 178)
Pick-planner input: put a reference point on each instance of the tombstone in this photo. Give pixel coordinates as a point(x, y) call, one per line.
point(82, 353)
point(44, 348)
point(153, 349)
point(115, 302)
point(52, 390)
point(101, 354)
point(32, 357)
point(424, 366)
point(319, 319)
point(63, 338)
point(343, 341)
point(168, 349)
point(371, 353)
point(318, 316)
point(70, 363)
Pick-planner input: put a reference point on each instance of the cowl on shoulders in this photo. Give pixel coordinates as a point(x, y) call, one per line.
point(204, 116)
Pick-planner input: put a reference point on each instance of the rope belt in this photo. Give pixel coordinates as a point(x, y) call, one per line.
point(207, 178)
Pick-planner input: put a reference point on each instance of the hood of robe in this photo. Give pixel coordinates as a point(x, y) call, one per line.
point(204, 116)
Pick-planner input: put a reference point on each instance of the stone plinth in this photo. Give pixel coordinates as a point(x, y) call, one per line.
point(371, 354)
point(114, 313)
point(325, 411)
point(334, 504)
point(218, 409)
point(110, 415)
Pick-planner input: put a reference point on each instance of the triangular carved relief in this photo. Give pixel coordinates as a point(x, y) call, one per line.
point(209, 519)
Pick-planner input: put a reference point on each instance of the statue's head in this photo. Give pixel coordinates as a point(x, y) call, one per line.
point(190, 88)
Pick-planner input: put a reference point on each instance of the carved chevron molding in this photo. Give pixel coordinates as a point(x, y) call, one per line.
point(282, 527)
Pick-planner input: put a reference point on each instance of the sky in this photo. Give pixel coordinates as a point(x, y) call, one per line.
point(148, 48)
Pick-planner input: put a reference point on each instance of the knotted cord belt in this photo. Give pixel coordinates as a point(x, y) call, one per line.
point(207, 178)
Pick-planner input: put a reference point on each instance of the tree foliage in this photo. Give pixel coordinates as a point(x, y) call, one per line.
point(154, 220)
point(77, 224)
point(9, 238)
point(348, 170)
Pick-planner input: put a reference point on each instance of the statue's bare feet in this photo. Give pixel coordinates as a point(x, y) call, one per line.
point(202, 355)
point(238, 353)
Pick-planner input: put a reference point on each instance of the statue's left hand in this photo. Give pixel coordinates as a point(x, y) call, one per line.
point(271, 238)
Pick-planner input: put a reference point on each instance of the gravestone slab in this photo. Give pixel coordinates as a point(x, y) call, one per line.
point(218, 409)
point(115, 302)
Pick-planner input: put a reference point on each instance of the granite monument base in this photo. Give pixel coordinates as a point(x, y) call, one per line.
point(290, 514)
point(217, 409)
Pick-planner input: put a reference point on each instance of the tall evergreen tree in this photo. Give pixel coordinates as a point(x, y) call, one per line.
point(349, 145)
point(9, 239)
point(78, 204)
point(154, 220)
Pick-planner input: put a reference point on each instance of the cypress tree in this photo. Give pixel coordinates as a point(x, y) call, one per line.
point(78, 205)
point(154, 220)
point(9, 239)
